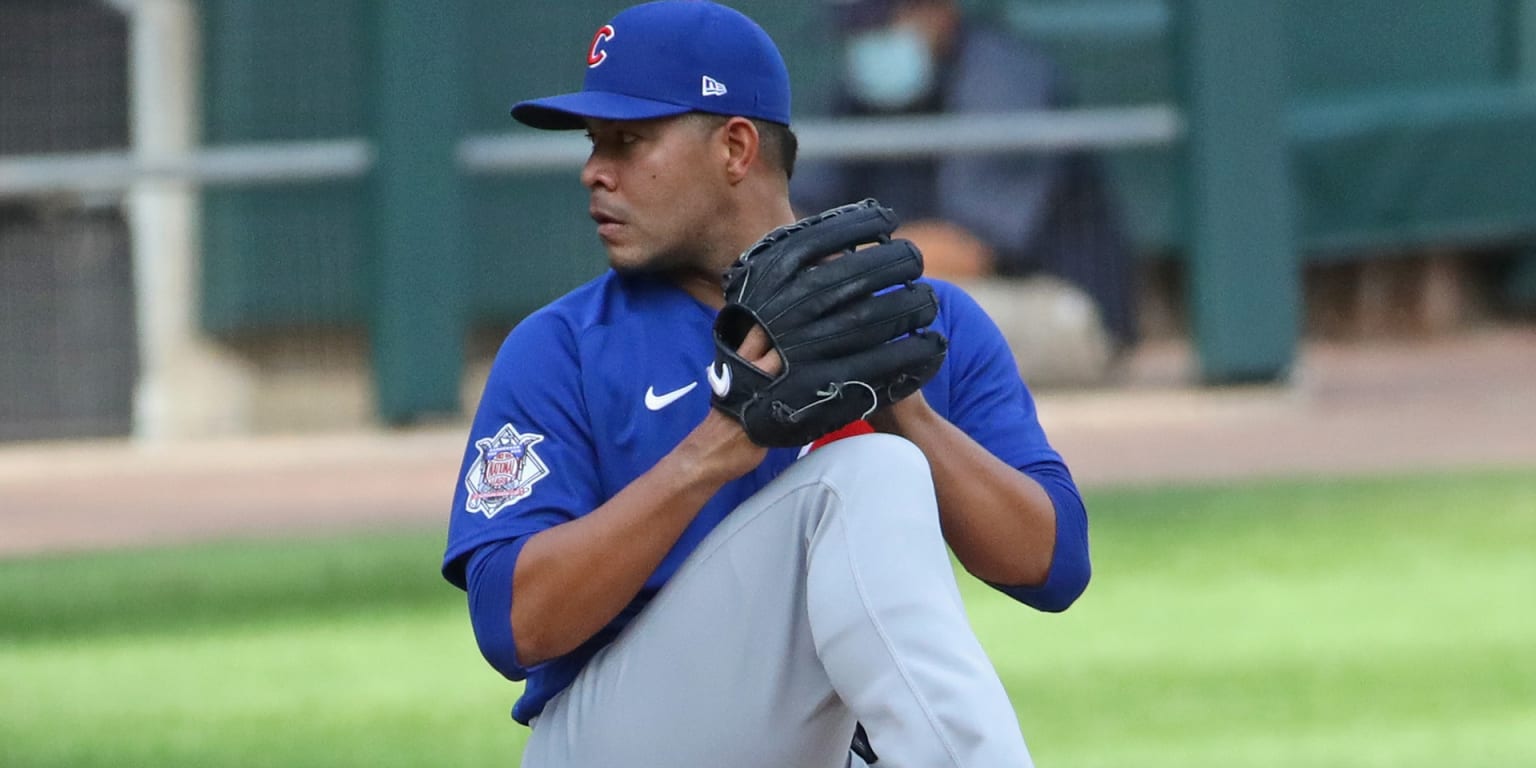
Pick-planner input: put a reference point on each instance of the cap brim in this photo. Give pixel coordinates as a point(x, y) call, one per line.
point(570, 110)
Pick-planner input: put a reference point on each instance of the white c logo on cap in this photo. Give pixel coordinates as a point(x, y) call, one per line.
point(595, 56)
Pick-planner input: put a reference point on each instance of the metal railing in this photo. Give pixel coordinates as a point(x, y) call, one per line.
point(276, 162)
point(882, 138)
point(25, 176)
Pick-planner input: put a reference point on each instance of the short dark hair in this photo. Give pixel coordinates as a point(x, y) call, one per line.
point(778, 142)
point(781, 143)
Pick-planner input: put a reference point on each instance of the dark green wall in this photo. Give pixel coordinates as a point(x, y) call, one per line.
point(288, 255)
point(1405, 123)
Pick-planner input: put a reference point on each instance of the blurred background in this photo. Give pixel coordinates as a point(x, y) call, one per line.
point(1275, 255)
point(231, 217)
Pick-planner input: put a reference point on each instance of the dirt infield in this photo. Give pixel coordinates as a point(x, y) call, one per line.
point(1463, 401)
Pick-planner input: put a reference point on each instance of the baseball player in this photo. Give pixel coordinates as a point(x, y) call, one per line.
point(705, 503)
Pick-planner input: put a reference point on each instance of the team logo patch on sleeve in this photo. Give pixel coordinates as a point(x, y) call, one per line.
point(505, 471)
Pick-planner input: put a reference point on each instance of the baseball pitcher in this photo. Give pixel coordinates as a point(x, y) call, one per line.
point(708, 499)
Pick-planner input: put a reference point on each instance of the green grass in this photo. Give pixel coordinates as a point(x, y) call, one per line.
point(1367, 623)
point(343, 652)
point(1380, 622)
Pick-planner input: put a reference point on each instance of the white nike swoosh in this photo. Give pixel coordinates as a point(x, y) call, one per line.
point(719, 381)
point(657, 402)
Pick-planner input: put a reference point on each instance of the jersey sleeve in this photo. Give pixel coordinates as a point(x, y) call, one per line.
point(529, 463)
point(989, 401)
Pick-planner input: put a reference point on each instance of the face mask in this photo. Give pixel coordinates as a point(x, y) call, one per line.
point(889, 69)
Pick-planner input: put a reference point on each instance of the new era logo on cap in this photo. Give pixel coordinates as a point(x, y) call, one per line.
point(649, 62)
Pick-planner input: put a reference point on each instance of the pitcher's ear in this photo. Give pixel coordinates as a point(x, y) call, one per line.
point(743, 147)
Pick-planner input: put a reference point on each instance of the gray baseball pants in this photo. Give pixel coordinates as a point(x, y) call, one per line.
point(827, 598)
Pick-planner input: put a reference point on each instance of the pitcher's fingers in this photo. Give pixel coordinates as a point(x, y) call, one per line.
point(757, 350)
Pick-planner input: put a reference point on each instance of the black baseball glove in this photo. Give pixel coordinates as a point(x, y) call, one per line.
point(851, 329)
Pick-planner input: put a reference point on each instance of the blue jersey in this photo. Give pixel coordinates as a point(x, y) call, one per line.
point(591, 391)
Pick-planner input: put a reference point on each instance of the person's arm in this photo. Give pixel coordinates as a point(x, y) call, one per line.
point(950, 251)
point(574, 578)
point(1000, 523)
point(570, 580)
point(1007, 503)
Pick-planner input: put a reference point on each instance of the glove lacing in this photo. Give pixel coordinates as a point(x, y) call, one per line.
point(833, 391)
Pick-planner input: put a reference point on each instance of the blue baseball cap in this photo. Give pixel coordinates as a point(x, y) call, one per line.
point(668, 58)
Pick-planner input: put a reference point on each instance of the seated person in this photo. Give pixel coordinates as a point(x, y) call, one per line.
point(973, 216)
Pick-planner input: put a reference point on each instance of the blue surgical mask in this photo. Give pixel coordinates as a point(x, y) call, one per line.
point(889, 69)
